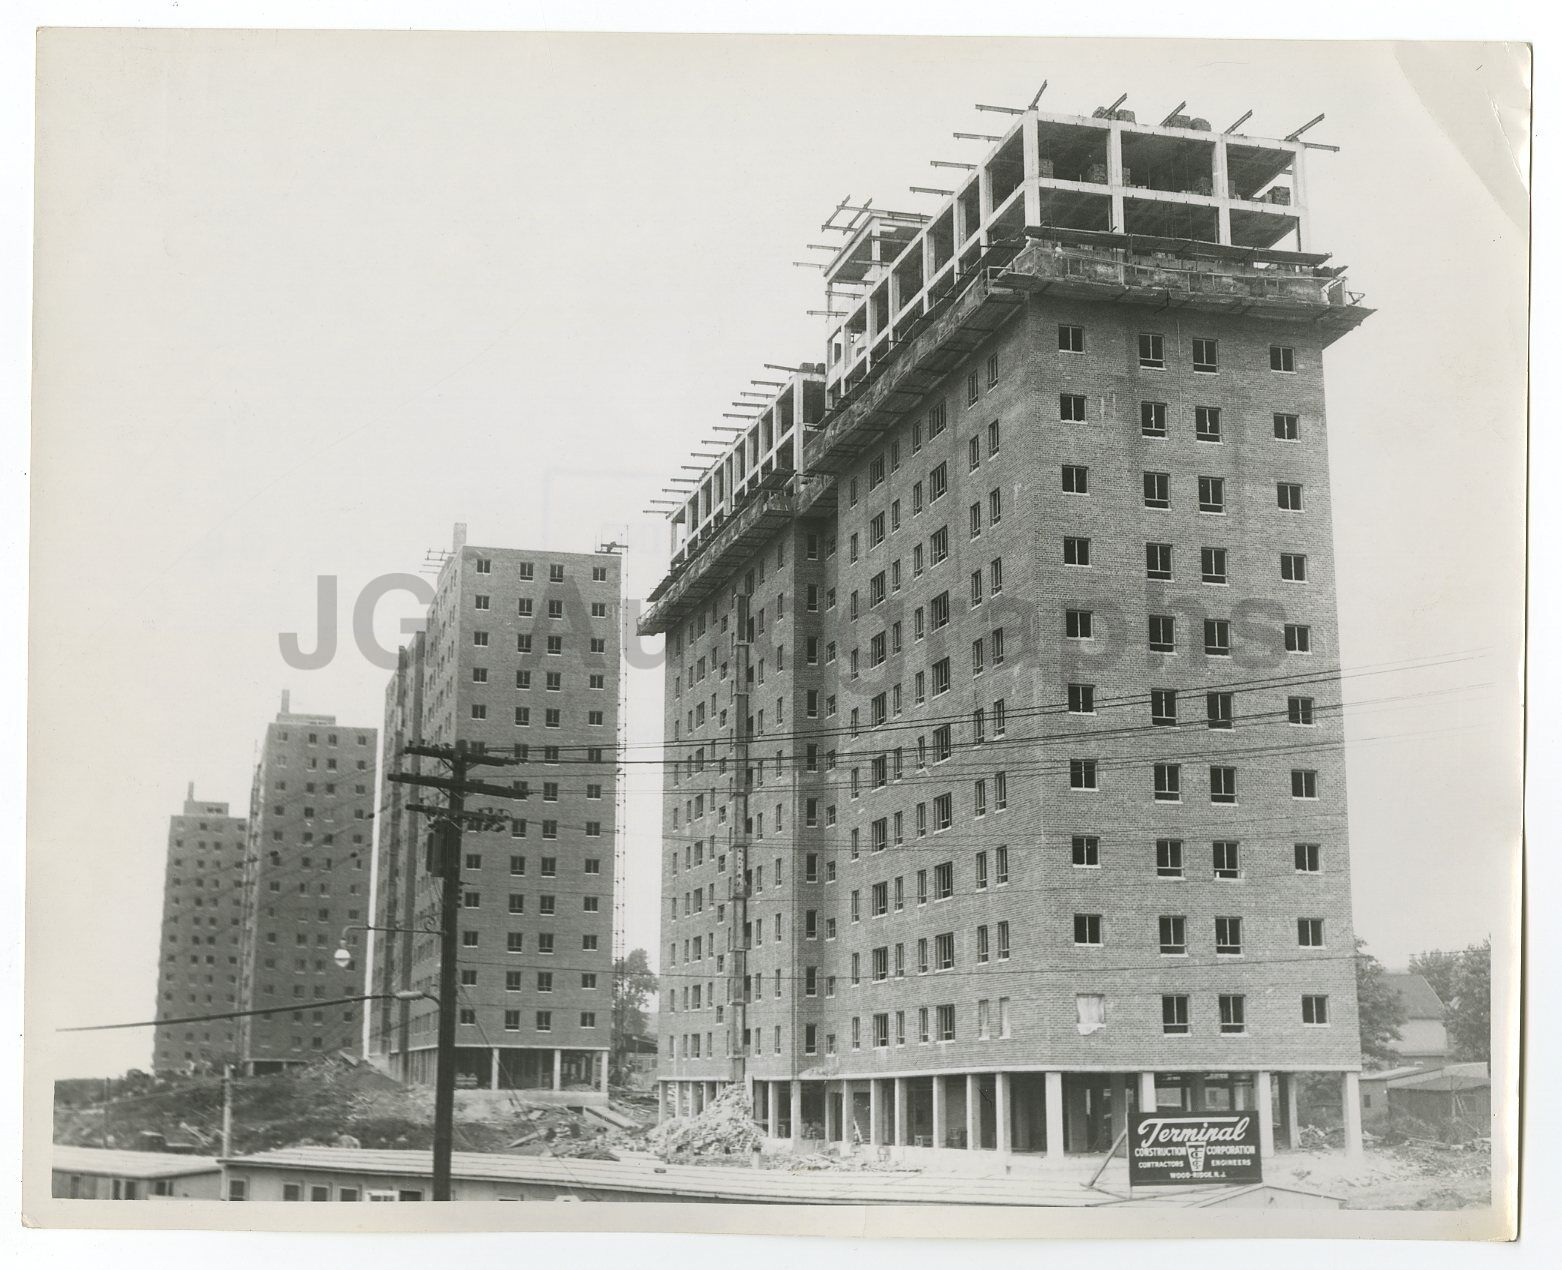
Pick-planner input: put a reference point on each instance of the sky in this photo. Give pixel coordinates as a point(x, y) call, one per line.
point(303, 301)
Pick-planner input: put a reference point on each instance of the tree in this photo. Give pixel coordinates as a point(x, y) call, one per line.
point(1462, 980)
point(1469, 1027)
point(1378, 1007)
point(634, 984)
point(1440, 969)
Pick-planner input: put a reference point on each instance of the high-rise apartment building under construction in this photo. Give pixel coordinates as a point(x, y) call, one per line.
point(1005, 787)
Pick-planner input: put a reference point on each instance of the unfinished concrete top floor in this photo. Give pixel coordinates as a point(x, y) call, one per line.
point(1107, 173)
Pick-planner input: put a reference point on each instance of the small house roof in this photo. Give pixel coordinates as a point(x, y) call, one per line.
point(1416, 995)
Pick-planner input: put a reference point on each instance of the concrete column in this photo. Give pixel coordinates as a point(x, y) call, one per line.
point(795, 1101)
point(832, 1119)
point(606, 1066)
point(661, 1101)
point(940, 1113)
point(1263, 1095)
point(1119, 1105)
point(1221, 186)
point(772, 1108)
point(493, 1068)
point(1147, 1091)
point(1350, 1097)
point(875, 1114)
point(1054, 1124)
point(973, 1113)
point(1002, 1107)
point(558, 1070)
point(1299, 193)
point(1032, 160)
point(1114, 174)
point(1293, 1123)
point(902, 1118)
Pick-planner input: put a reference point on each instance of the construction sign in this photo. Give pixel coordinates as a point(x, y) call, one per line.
point(1171, 1148)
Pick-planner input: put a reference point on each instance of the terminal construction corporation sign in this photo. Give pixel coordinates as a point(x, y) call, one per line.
point(1173, 1149)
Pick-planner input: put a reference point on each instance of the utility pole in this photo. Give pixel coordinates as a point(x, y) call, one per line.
point(444, 862)
point(227, 1110)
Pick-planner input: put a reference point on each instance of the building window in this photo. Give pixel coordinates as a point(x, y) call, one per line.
point(1288, 427)
point(1206, 356)
point(1168, 857)
point(1089, 1012)
point(1222, 784)
point(1152, 418)
point(1076, 479)
point(1218, 709)
point(1152, 350)
point(1293, 567)
point(1228, 936)
point(1298, 638)
point(1158, 561)
point(1168, 782)
point(1078, 623)
point(1173, 936)
point(1082, 773)
point(1282, 357)
point(1071, 339)
point(1315, 1011)
point(1288, 496)
point(1076, 553)
point(1226, 860)
point(1217, 637)
point(1174, 1015)
point(1163, 633)
point(1163, 707)
point(1206, 423)
point(1309, 932)
point(1212, 494)
point(1087, 929)
point(1304, 783)
point(1308, 857)
point(1157, 489)
point(1081, 698)
point(1233, 1015)
point(1071, 407)
point(1212, 565)
point(1085, 851)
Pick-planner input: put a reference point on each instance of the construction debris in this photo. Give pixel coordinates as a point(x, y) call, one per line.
point(724, 1128)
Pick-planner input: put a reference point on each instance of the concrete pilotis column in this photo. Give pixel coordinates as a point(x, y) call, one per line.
point(1263, 1095)
point(1054, 1124)
point(1119, 1105)
point(493, 1069)
point(973, 1113)
point(940, 1113)
point(902, 1119)
point(558, 1070)
point(1350, 1097)
point(832, 1124)
point(661, 1101)
point(606, 1067)
point(1002, 1102)
point(875, 1114)
point(1147, 1091)
point(1293, 1124)
point(772, 1108)
point(848, 1114)
point(795, 1103)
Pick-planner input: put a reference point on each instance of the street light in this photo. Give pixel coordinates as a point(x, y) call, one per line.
point(343, 956)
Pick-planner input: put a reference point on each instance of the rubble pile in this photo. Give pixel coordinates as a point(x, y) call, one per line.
point(723, 1128)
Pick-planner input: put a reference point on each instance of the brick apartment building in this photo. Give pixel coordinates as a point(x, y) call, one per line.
point(1005, 789)
point(520, 657)
point(306, 889)
point(201, 936)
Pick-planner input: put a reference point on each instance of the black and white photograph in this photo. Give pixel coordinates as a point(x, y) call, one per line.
point(888, 635)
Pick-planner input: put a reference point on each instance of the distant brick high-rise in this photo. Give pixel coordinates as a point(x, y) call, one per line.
point(520, 657)
point(201, 936)
point(306, 889)
point(1006, 789)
